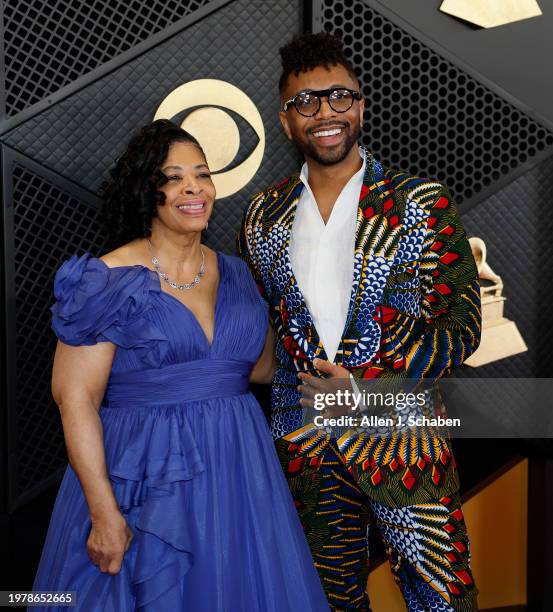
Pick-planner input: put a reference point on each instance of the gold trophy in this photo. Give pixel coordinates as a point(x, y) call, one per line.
point(500, 336)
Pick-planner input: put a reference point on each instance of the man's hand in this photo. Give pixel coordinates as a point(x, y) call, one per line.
point(337, 379)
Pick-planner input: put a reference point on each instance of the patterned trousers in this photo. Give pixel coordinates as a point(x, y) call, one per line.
point(409, 492)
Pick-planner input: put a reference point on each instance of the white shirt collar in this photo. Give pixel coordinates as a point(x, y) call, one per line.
point(322, 256)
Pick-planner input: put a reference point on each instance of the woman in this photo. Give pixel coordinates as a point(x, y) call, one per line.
point(174, 498)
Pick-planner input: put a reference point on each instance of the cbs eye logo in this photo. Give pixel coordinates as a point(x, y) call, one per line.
point(216, 130)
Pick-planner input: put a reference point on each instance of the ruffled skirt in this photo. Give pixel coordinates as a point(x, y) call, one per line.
point(214, 524)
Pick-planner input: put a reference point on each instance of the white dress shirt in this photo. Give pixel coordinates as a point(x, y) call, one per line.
point(322, 257)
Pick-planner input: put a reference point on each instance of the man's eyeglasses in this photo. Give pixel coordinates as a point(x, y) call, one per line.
point(308, 103)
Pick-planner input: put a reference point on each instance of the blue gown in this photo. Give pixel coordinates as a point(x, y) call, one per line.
point(188, 451)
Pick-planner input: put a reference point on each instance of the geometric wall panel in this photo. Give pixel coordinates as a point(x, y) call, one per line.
point(520, 250)
point(424, 114)
point(428, 116)
point(47, 45)
point(81, 136)
point(46, 225)
point(56, 156)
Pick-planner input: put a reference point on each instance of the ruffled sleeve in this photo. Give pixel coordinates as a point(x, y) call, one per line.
point(95, 303)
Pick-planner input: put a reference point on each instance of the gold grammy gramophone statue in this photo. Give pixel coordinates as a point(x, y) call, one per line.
point(500, 336)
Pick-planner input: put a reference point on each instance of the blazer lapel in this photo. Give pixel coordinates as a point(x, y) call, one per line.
point(281, 207)
point(375, 199)
point(300, 335)
point(373, 248)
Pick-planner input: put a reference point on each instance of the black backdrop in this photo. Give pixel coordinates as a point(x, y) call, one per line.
point(429, 112)
point(78, 77)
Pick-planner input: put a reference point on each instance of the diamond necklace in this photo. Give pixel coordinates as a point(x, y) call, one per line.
point(185, 286)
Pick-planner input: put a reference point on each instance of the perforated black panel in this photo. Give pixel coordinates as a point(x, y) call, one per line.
point(520, 250)
point(428, 116)
point(77, 139)
point(49, 44)
point(425, 115)
point(81, 136)
point(49, 226)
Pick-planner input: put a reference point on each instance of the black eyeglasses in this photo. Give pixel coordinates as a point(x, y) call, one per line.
point(308, 103)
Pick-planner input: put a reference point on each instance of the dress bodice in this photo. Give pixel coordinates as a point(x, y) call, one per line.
point(151, 328)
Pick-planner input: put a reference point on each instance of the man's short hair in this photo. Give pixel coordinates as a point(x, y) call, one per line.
point(308, 51)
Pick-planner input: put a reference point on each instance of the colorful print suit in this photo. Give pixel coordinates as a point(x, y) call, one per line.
point(414, 312)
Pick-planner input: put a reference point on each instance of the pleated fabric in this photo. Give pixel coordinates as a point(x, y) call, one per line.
point(188, 450)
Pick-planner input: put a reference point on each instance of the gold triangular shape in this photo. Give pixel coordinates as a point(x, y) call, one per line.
point(491, 13)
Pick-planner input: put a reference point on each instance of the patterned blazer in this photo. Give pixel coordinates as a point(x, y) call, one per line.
point(414, 309)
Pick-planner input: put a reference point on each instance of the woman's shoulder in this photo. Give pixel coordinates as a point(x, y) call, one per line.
point(92, 293)
point(92, 274)
point(80, 271)
point(128, 255)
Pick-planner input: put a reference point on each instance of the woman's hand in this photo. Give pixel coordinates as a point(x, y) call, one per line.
point(109, 539)
point(79, 382)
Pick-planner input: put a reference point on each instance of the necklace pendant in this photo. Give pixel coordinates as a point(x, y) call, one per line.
point(173, 284)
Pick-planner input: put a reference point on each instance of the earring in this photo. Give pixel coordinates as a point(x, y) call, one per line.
point(206, 225)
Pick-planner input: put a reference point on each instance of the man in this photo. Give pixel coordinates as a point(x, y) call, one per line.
point(366, 271)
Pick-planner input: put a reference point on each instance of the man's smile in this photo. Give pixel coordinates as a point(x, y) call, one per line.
point(329, 135)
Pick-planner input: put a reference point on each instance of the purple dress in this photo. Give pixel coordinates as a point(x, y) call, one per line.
point(188, 451)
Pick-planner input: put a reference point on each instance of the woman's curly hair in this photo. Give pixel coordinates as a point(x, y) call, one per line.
point(131, 197)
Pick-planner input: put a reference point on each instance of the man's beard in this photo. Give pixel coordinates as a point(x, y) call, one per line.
point(331, 155)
